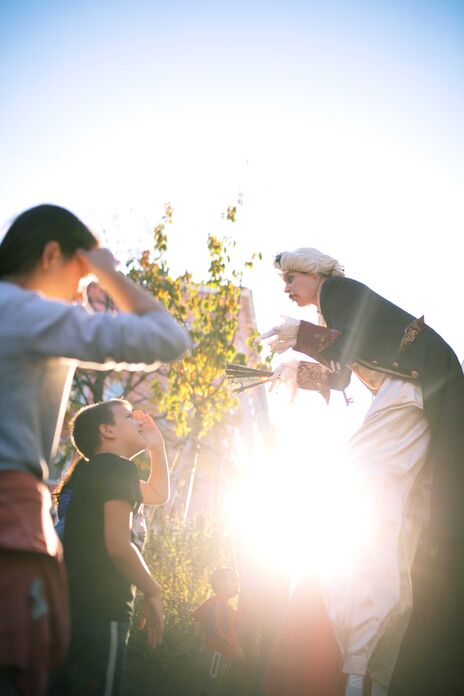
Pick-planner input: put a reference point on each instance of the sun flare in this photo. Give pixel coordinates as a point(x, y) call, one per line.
point(300, 506)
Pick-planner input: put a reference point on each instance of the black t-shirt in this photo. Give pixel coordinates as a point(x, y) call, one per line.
point(97, 588)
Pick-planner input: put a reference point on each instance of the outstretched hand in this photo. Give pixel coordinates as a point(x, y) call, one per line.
point(283, 336)
point(284, 379)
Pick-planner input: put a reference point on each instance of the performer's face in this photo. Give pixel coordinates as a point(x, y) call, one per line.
point(302, 287)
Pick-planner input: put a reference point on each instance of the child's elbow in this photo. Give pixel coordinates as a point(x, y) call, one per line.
point(156, 497)
point(161, 499)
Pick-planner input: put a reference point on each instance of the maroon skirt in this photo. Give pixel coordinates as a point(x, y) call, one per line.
point(34, 607)
point(34, 614)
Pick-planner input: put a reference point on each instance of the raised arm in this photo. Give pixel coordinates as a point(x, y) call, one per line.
point(155, 490)
point(137, 338)
point(128, 296)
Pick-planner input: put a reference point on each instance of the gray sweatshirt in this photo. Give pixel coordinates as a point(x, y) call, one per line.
point(41, 343)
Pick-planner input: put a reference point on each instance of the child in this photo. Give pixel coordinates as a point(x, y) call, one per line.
point(102, 561)
point(219, 626)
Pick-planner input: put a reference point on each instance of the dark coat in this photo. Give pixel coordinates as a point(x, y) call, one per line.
point(372, 332)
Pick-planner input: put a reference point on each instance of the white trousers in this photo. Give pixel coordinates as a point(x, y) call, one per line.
point(371, 602)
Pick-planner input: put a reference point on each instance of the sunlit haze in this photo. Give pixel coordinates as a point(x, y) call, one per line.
point(339, 123)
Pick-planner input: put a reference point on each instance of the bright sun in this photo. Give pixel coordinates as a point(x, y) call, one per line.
point(299, 505)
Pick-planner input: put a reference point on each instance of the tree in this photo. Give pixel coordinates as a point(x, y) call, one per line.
point(193, 396)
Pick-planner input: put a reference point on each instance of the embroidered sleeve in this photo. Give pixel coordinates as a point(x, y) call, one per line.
point(314, 377)
point(411, 332)
point(313, 339)
point(317, 377)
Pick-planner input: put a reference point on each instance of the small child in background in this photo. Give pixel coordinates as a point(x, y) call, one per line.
point(218, 623)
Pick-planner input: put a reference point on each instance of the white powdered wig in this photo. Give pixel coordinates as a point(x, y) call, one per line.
point(306, 260)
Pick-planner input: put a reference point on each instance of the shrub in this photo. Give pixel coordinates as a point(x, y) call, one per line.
point(180, 555)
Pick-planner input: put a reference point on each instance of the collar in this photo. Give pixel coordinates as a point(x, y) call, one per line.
point(318, 302)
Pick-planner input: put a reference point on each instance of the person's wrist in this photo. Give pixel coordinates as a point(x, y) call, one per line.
point(109, 275)
point(155, 593)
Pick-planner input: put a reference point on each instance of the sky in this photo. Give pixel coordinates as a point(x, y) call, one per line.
point(340, 124)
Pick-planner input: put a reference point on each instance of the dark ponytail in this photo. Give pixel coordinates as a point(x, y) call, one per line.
point(23, 244)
